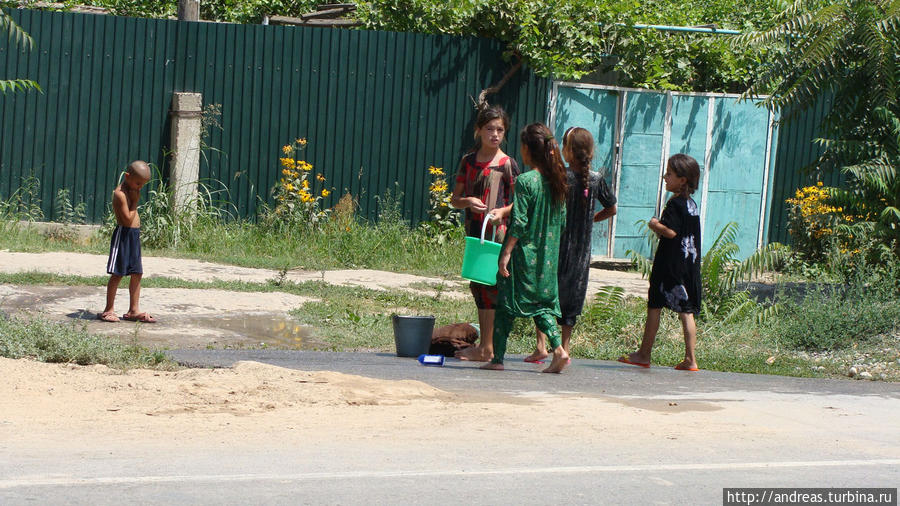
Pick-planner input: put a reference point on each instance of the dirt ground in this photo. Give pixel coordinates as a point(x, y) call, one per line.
point(194, 318)
point(82, 428)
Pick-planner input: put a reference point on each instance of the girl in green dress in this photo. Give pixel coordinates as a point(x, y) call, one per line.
point(528, 261)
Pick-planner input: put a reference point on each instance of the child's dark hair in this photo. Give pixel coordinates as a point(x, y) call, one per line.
point(485, 116)
point(581, 142)
point(544, 152)
point(685, 166)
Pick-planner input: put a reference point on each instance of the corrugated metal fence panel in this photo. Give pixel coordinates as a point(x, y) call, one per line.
point(376, 107)
point(795, 151)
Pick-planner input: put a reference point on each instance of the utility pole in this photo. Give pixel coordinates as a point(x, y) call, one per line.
point(189, 10)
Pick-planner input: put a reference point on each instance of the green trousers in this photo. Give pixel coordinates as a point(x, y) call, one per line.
point(503, 323)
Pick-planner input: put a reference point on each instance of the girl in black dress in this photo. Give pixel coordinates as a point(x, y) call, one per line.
point(675, 278)
point(586, 188)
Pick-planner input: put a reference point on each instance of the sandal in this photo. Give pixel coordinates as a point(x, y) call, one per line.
point(108, 317)
point(141, 317)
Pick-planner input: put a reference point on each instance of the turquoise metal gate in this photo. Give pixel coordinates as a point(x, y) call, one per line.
point(637, 130)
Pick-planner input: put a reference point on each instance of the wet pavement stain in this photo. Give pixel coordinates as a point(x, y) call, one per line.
point(186, 319)
point(269, 331)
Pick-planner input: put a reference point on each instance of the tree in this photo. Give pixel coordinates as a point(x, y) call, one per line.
point(565, 39)
point(847, 50)
point(19, 37)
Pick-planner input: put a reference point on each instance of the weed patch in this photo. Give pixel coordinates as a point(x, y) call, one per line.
point(53, 342)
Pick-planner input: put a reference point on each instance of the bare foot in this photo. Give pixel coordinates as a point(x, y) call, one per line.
point(537, 357)
point(107, 316)
point(635, 358)
point(474, 354)
point(490, 366)
point(685, 365)
point(560, 361)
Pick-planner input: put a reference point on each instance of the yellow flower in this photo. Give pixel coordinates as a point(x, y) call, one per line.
point(819, 183)
point(287, 149)
point(289, 187)
point(287, 172)
point(320, 177)
point(436, 171)
point(325, 193)
point(287, 162)
point(301, 141)
point(305, 184)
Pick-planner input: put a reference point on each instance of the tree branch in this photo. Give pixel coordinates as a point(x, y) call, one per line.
point(482, 97)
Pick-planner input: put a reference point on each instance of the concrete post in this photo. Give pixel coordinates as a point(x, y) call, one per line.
point(189, 10)
point(186, 130)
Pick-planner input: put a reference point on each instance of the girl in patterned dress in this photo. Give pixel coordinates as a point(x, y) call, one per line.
point(675, 278)
point(472, 192)
point(586, 188)
point(528, 261)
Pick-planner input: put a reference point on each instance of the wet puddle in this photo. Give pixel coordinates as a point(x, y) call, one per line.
point(264, 330)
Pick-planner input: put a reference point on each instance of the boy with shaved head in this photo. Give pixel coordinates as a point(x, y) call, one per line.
point(125, 246)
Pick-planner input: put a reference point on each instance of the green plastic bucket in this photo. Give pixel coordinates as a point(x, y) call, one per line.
point(480, 259)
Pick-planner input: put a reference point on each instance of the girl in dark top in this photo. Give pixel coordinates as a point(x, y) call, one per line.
point(675, 278)
point(585, 189)
point(484, 165)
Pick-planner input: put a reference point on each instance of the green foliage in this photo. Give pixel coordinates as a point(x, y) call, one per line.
point(390, 207)
point(443, 222)
point(846, 50)
point(569, 38)
point(47, 341)
point(19, 37)
point(252, 11)
point(605, 303)
point(25, 203)
point(67, 212)
point(297, 202)
point(838, 317)
point(232, 11)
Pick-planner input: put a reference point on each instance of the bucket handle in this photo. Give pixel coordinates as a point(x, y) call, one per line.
point(487, 219)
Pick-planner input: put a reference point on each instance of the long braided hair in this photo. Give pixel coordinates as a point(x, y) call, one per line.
point(581, 144)
point(544, 152)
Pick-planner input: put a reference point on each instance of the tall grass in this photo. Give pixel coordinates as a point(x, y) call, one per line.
point(48, 341)
point(212, 232)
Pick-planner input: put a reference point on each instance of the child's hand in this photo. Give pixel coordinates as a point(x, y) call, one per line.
point(498, 215)
point(653, 222)
point(502, 263)
point(477, 205)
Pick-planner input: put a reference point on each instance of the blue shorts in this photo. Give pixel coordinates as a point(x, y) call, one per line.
point(125, 252)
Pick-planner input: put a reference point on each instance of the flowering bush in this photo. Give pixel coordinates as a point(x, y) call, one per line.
point(811, 220)
point(298, 194)
point(442, 217)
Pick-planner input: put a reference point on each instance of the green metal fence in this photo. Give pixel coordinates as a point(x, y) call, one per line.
point(376, 107)
point(796, 150)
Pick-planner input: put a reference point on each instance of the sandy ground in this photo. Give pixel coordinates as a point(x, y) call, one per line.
point(190, 318)
point(252, 404)
point(41, 403)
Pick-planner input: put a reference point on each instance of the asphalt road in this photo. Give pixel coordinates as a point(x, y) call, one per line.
point(789, 438)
